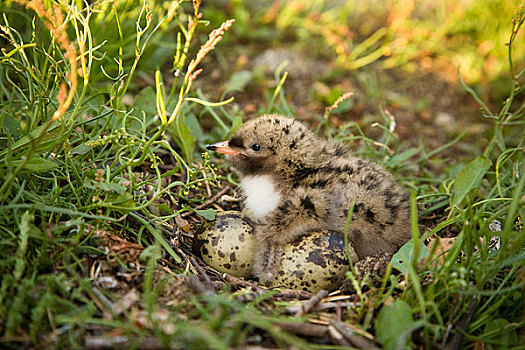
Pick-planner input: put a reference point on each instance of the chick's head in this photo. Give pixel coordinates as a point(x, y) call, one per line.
point(261, 144)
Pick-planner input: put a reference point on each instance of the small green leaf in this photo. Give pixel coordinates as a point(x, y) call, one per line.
point(183, 137)
point(395, 324)
point(402, 157)
point(502, 334)
point(238, 81)
point(112, 187)
point(345, 105)
point(37, 164)
point(236, 124)
point(125, 203)
point(25, 228)
point(151, 252)
point(164, 209)
point(404, 257)
point(54, 135)
point(194, 126)
point(81, 149)
point(12, 126)
point(145, 102)
point(500, 139)
point(469, 178)
point(208, 214)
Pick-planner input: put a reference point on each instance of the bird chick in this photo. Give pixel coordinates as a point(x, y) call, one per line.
point(296, 183)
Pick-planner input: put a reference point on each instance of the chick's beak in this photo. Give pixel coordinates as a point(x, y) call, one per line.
point(222, 147)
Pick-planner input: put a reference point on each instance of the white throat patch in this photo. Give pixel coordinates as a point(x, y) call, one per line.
point(261, 196)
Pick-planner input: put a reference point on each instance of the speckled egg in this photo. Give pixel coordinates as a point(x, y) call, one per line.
point(227, 244)
point(313, 262)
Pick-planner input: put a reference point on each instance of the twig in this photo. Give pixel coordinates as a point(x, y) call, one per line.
point(102, 302)
point(207, 183)
point(239, 281)
point(200, 270)
point(293, 309)
point(463, 325)
point(338, 311)
point(356, 341)
point(337, 337)
point(449, 325)
point(313, 330)
point(311, 303)
point(113, 342)
point(199, 287)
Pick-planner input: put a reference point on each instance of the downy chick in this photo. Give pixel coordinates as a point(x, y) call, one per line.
point(295, 183)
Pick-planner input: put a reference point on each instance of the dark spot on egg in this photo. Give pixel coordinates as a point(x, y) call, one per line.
point(233, 257)
point(221, 254)
point(335, 242)
point(199, 245)
point(318, 241)
point(228, 266)
point(214, 241)
point(299, 274)
point(316, 258)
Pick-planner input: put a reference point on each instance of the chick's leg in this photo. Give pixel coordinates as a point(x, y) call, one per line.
point(295, 216)
point(267, 260)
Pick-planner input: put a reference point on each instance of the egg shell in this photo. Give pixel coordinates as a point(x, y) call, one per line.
point(314, 262)
point(227, 244)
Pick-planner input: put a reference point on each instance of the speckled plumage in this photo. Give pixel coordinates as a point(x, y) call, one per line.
point(316, 181)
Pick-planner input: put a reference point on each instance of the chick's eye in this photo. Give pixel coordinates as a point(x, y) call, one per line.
point(256, 147)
